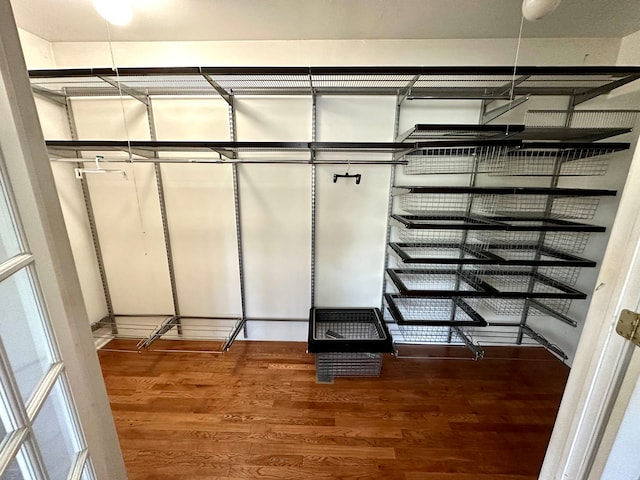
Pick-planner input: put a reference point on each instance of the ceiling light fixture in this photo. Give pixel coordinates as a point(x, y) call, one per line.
point(117, 12)
point(534, 10)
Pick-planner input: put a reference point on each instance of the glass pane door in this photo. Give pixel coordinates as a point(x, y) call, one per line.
point(41, 438)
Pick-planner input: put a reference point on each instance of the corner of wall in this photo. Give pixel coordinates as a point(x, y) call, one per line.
point(38, 52)
point(629, 53)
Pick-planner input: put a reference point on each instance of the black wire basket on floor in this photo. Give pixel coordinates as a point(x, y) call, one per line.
point(348, 342)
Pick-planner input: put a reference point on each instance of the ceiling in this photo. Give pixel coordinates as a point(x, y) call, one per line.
point(174, 20)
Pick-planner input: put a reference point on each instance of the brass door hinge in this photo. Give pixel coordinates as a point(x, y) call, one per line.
point(629, 326)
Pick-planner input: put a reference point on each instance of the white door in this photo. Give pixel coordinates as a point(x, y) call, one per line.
point(618, 458)
point(606, 367)
point(55, 422)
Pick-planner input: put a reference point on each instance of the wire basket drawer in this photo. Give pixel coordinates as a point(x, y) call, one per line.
point(432, 311)
point(551, 206)
point(549, 159)
point(348, 330)
point(565, 242)
point(347, 364)
point(348, 342)
point(458, 159)
point(436, 203)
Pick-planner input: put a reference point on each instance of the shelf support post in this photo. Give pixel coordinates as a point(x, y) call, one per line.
point(92, 221)
point(233, 133)
point(236, 199)
point(312, 153)
point(165, 221)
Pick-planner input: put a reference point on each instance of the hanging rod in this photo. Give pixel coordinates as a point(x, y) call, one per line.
point(231, 161)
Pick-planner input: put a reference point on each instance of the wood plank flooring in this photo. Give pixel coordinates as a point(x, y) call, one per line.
point(256, 412)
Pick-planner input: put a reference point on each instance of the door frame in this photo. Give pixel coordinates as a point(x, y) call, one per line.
point(578, 443)
point(36, 200)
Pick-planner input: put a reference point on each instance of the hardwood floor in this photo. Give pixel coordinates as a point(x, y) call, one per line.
point(256, 412)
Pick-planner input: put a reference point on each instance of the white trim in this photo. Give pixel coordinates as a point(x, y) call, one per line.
point(14, 264)
point(30, 178)
point(602, 356)
point(41, 393)
point(11, 446)
point(78, 465)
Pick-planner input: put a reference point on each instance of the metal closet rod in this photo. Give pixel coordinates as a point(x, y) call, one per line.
point(231, 161)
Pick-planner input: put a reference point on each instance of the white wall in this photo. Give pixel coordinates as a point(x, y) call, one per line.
point(38, 53)
point(534, 51)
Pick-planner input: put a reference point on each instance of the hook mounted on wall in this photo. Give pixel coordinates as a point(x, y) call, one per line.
point(98, 169)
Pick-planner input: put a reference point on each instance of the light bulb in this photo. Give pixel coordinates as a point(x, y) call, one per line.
point(117, 12)
point(534, 10)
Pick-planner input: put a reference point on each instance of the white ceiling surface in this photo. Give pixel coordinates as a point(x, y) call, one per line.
point(184, 20)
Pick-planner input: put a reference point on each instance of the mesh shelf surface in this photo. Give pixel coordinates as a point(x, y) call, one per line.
point(526, 284)
point(523, 254)
point(434, 282)
point(581, 118)
point(443, 82)
point(459, 132)
point(416, 255)
point(432, 311)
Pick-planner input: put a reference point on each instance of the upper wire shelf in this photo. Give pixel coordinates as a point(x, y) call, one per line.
point(414, 82)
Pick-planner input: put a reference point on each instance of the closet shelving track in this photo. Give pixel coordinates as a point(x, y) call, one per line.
point(493, 86)
point(455, 226)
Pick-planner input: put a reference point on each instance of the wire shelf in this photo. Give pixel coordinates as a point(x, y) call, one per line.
point(561, 207)
point(434, 282)
point(453, 159)
point(516, 282)
point(471, 132)
point(436, 203)
point(547, 160)
point(147, 329)
point(566, 242)
point(429, 254)
point(581, 118)
point(432, 311)
point(417, 82)
point(532, 255)
point(409, 235)
point(515, 306)
point(436, 335)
